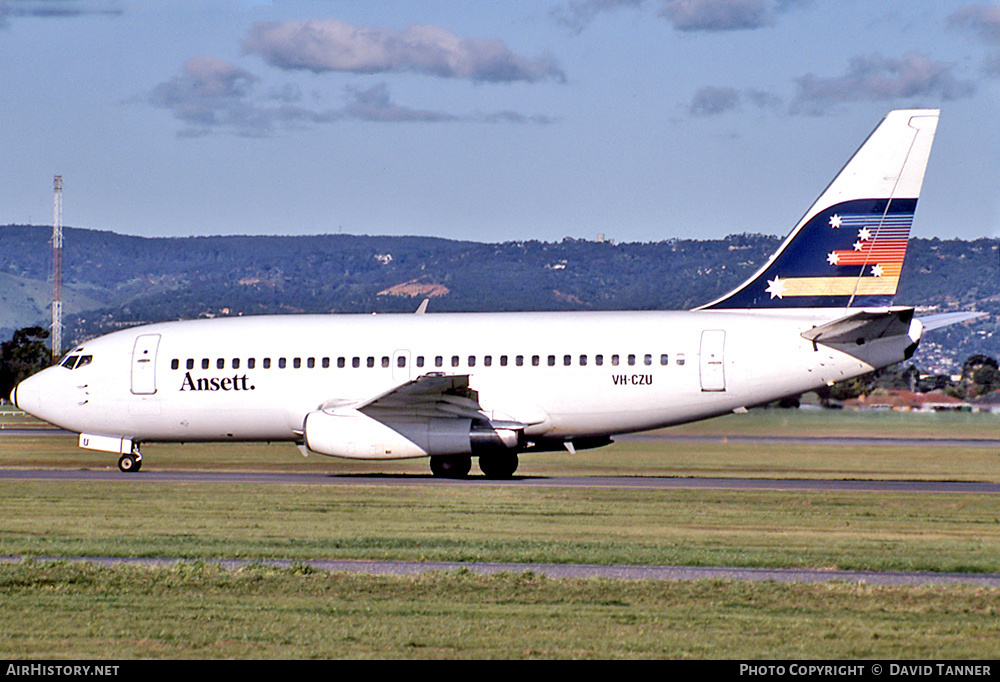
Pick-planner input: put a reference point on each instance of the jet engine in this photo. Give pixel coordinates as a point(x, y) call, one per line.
point(351, 434)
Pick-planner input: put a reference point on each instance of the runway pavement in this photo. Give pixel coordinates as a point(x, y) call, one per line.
point(650, 482)
point(44, 431)
point(618, 572)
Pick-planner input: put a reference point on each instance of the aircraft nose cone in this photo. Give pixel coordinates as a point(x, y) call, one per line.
point(26, 397)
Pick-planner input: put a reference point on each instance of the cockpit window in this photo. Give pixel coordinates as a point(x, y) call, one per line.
point(76, 361)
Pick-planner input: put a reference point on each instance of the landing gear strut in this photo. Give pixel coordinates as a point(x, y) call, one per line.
point(131, 462)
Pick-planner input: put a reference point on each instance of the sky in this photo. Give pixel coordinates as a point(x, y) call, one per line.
point(641, 120)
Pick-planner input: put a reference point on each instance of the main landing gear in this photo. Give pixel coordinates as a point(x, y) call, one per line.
point(131, 462)
point(451, 466)
point(501, 465)
point(496, 466)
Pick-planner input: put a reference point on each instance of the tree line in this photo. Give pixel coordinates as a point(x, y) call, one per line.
point(134, 279)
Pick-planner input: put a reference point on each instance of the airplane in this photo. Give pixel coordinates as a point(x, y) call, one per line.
point(493, 386)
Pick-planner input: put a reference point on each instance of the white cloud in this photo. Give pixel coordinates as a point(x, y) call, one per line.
point(65, 8)
point(578, 14)
point(710, 101)
point(209, 93)
point(375, 104)
point(718, 15)
point(981, 19)
point(684, 15)
point(321, 45)
point(875, 78)
point(212, 95)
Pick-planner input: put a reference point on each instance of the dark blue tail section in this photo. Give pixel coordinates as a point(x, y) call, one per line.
point(848, 250)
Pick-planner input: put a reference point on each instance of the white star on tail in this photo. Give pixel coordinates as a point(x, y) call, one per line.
point(877, 270)
point(864, 234)
point(833, 258)
point(835, 221)
point(775, 287)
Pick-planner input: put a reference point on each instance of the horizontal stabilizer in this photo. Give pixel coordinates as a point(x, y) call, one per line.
point(932, 322)
point(863, 326)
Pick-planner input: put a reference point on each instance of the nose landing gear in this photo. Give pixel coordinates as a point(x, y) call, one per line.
point(132, 461)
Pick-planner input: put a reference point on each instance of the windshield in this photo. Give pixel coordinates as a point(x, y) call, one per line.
point(76, 361)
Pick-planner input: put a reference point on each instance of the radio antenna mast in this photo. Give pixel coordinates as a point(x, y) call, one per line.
point(57, 243)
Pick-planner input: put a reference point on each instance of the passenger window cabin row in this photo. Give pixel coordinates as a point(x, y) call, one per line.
point(421, 361)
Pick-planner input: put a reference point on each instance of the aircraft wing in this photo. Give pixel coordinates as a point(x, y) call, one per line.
point(430, 395)
point(427, 396)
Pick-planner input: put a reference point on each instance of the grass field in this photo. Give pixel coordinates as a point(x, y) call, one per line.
point(199, 610)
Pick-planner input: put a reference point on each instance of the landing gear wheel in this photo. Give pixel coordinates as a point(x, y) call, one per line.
point(451, 466)
point(129, 463)
point(498, 466)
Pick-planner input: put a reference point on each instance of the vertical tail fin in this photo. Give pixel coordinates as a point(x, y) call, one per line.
point(847, 250)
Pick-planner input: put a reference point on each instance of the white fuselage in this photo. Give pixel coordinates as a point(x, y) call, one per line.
point(564, 375)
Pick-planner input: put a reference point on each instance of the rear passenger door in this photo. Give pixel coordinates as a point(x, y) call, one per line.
point(712, 366)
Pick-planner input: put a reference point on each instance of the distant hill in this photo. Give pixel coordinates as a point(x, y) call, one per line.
point(113, 280)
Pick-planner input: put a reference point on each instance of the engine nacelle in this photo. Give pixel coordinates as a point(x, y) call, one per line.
point(353, 435)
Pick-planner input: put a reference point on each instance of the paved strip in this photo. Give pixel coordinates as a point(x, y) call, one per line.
point(637, 482)
point(674, 573)
point(930, 441)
